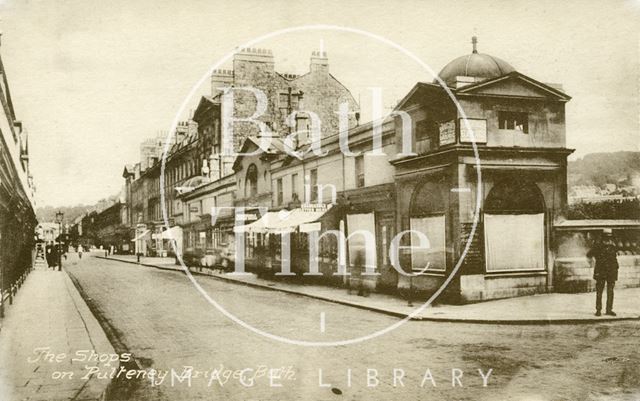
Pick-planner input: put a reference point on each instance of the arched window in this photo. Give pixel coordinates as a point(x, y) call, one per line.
point(514, 227)
point(251, 181)
point(514, 196)
point(429, 199)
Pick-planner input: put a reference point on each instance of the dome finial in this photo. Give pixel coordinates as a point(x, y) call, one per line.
point(474, 42)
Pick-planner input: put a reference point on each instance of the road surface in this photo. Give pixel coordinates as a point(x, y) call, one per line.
point(166, 324)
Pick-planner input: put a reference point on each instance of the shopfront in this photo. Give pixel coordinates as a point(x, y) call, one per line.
point(280, 242)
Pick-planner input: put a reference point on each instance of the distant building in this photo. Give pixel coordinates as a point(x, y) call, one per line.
point(48, 232)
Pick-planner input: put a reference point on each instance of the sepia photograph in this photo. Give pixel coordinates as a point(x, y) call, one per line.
point(319, 200)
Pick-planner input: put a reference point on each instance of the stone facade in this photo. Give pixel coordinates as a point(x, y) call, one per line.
point(482, 172)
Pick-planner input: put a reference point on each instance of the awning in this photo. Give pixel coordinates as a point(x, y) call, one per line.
point(141, 236)
point(285, 221)
point(259, 226)
point(174, 232)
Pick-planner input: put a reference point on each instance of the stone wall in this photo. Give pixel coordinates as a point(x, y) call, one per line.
point(576, 275)
point(479, 287)
point(316, 91)
point(572, 270)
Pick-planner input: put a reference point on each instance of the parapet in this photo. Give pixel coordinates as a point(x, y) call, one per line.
point(255, 55)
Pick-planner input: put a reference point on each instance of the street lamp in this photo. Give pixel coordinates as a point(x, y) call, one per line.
point(59, 218)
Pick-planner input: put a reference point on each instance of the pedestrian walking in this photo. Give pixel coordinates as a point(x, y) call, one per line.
point(604, 261)
point(80, 249)
point(49, 255)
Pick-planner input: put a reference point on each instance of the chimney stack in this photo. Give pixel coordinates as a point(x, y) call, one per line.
point(220, 79)
point(250, 62)
point(181, 131)
point(319, 62)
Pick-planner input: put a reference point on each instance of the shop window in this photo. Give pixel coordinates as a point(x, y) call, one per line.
point(516, 206)
point(432, 254)
point(514, 121)
point(359, 171)
point(362, 246)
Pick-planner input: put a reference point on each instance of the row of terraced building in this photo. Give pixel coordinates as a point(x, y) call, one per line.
point(476, 161)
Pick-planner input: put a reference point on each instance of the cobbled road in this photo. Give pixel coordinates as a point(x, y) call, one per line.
point(167, 325)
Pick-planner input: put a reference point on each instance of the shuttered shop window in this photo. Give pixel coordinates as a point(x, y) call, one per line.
point(514, 242)
point(433, 227)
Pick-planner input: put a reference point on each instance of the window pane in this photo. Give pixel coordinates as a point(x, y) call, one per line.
point(359, 167)
point(294, 186)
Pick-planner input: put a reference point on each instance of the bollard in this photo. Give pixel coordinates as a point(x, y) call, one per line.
point(138, 255)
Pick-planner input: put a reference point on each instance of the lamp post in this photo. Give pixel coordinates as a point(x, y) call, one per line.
point(59, 218)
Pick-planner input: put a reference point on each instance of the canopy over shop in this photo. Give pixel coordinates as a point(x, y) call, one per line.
point(263, 237)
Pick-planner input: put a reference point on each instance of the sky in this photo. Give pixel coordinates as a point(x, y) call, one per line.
point(91, 79)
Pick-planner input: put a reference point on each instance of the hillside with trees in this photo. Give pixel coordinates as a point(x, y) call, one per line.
point(600, 169)
point(48, 213)
point(615, 177)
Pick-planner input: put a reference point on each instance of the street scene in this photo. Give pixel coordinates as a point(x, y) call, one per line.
point(316, 206)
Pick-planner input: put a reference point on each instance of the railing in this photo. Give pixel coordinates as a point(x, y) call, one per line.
point(10, 293)
point(16, 252)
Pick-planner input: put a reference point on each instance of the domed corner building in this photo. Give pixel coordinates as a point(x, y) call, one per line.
point(485, 179)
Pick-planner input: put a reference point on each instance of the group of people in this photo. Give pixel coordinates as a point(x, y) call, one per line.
point(52, 254)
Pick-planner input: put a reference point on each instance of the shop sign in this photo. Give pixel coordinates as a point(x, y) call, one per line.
point(479, 128)
point(315, 207)
point(310, 227)
point(447, 132)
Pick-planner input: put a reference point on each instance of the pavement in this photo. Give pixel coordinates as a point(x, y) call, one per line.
point(553, 308)
point(46, 340)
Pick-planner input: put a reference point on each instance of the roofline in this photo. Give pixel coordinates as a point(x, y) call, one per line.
point(541, 85)
point(415, 88)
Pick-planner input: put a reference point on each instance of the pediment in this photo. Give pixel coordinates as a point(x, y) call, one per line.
point(514, 85)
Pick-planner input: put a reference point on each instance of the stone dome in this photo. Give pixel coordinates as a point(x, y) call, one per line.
point(476, 65)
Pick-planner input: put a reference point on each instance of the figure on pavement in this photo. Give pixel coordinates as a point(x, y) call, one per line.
point(604, 262)
point(80, 249)
point(49, 255)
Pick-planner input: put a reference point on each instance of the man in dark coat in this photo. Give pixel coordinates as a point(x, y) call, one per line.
point(605, 270)
point(49, 255)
